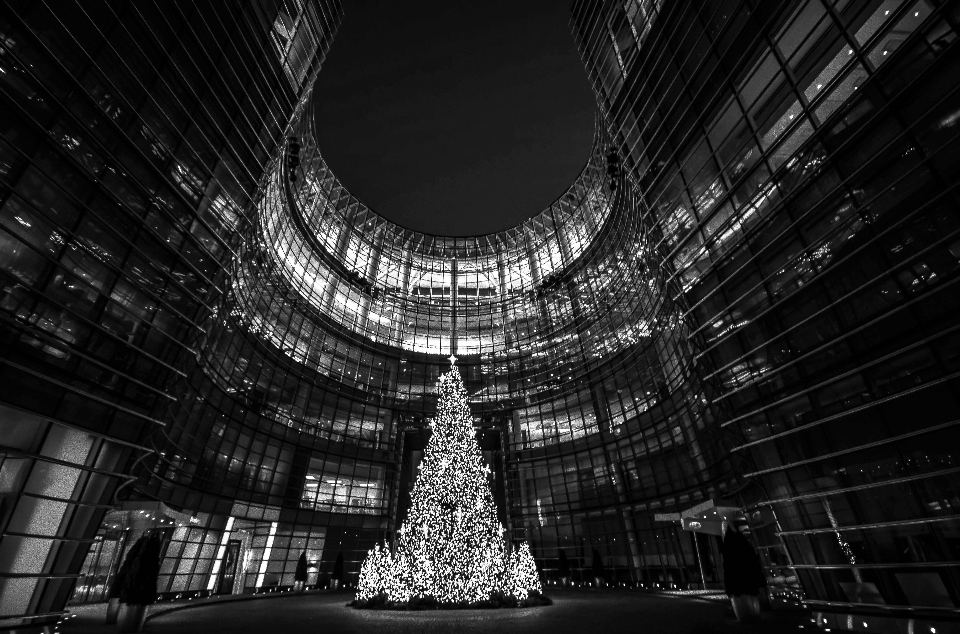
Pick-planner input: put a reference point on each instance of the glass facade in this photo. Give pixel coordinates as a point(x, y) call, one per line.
point(747, 293)
point(133, 137)
point(797, 162)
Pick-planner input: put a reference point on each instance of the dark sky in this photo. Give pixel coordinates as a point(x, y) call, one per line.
point(455, 118)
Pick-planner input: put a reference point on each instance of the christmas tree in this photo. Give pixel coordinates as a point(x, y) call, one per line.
point(523, 573)
point(451, 547)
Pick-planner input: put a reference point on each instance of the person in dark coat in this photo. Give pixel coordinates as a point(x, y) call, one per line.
point(743, 577)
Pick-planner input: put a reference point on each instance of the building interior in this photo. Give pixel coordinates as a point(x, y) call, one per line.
point(743, 309)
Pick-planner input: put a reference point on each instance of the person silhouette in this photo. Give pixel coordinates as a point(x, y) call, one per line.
point(743, 577)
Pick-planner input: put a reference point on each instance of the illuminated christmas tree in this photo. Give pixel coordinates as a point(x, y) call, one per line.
point(523, 573)
point(451, 546)
point(375, 573)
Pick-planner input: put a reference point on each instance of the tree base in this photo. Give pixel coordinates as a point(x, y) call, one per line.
point(382, 602)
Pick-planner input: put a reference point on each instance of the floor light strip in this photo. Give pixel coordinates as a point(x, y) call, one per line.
point(220, 551)
point(266, 554)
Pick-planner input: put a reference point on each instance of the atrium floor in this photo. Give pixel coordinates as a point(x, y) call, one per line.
point(573, 612)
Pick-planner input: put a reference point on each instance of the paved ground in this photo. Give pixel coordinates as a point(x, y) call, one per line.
point(573, 612)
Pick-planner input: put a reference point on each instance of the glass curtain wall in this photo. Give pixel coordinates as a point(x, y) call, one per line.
point(132, 139)
point(758, 308)
point(338, 323)
point(798, 163)
point(271, 336)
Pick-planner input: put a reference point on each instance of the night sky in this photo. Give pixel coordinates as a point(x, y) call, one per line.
point(455, 118)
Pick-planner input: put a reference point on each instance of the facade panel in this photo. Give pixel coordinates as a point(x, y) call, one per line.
point(797, 158)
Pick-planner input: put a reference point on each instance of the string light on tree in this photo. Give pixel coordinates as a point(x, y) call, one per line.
point(523, 573)
point(375, 573)
point(451, 546)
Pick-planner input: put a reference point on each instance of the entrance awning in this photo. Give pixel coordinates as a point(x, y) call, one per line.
point(706, 517)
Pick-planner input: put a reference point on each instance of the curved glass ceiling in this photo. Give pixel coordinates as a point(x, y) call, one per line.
point(362, 270)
